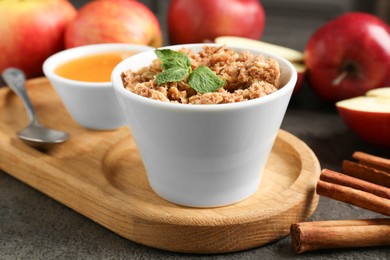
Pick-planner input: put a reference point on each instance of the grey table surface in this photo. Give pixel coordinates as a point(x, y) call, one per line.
point(34, 226)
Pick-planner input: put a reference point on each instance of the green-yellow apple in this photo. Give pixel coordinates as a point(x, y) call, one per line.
point(196, 21)
point(348, 56)
point(120, 21)
point(31, 31)
point(294, 56)
point(368, 117)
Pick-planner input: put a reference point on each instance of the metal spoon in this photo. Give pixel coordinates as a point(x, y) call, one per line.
point(35, 134)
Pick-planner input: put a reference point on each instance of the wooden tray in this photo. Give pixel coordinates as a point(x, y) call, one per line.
point(100, 175)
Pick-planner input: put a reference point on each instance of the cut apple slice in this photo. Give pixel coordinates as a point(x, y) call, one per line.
point(379, 92)
point(287, 53)
point(368, 117)
point(300, 67)
point(366, 103)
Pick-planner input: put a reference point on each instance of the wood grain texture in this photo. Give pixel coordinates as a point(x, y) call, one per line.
point(100, 175)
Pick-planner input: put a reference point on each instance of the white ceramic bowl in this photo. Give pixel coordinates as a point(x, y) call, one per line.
point(204, 155)
point(91, 104)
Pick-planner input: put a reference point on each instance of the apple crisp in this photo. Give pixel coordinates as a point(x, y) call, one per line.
point(247, 77)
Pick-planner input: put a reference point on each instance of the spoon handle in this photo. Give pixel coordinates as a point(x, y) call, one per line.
point(15, 79)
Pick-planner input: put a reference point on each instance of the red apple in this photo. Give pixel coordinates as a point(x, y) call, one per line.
point(301, 71)
point(368, 117)
point(195, 21)
point(349, 56)
point(31, 31)
point(107, 21)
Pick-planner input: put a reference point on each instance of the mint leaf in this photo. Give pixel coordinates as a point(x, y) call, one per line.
point(204, 80)
point(177, 67)
point(171, 59)
point(173, 74)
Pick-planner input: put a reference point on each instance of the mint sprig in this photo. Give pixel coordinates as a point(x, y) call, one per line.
point(177, 67)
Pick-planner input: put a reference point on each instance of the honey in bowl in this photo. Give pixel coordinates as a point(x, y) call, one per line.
point(92, 68)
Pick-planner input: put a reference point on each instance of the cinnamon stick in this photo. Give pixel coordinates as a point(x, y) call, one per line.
point(348, 181)
point(309, 236)
point(373, 161)
point(353, 196)
point(366, 173)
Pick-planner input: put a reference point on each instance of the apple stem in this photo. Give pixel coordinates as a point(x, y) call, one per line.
point(339, 78)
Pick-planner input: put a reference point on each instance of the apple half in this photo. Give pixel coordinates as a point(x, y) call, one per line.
point(287, 53)
point(379, 92)
point(369, 117)
point(294, 56)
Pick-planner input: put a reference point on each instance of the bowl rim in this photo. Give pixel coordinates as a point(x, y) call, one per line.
point(56, 59)
point(119, 88)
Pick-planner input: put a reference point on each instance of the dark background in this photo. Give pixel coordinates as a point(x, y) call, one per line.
point(289, 22)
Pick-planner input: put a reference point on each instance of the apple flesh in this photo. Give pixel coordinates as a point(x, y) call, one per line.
point(120, 21)
point(31, 31)
point(287, 53)
point(295, 57)
point(349, 56)
point(196, 21)
point(379, 92)
point(368, 117)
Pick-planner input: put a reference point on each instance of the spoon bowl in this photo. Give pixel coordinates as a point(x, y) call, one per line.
point(35, 134)
point(41, 136)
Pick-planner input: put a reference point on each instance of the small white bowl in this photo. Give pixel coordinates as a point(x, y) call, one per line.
point(91, 104)
point(204, 155)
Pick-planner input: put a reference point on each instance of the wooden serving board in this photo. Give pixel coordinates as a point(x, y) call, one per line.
point(100, 175)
